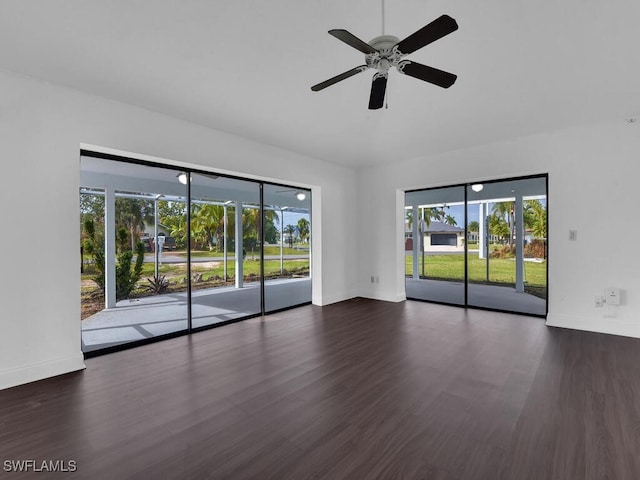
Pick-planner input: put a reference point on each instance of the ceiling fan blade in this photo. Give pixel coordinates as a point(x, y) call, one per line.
point(338, 78)
point(353, 41)
point(439, 28)
point(378, 89)
point(428, 74)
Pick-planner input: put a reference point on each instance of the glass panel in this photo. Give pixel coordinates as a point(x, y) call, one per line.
point(131, 291)
point(434, 245)
point(507, 225)
point(225, 255)
point(287, 247)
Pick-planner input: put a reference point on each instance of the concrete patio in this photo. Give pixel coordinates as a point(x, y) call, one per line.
point(486, 296)
point(141, 318)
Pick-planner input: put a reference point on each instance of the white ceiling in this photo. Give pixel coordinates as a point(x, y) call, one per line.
point(246, 67)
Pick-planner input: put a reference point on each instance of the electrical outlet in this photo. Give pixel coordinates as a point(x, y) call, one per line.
point(598, 301)
point(372, 279)
point(613, 296)
point(573, 235)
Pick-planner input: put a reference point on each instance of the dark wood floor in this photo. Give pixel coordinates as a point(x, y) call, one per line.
point(357, 390)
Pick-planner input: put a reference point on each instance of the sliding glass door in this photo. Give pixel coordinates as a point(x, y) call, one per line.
point(508, 257)
point(133, 253)
point(287, 247)
point(166, 251)
point(498, 260)
point(435, 245)
point(225, 252)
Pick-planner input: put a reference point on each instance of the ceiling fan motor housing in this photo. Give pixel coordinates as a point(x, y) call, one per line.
point(386, 56)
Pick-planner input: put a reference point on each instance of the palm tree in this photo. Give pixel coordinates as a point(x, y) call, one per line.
point(505, 210)
point(290, 230)
point(426, 214)
point(450, 220)
point(207, 224)
point(474, 226)
point(177, 228)
point(132, 213)
point(303, 229)
point(498, 226)
point(535, 218)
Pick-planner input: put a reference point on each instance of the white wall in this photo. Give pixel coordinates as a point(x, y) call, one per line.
point(592, 185)
point(41, 130)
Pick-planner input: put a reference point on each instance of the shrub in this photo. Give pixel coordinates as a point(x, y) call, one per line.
point(504, 252)
point(157, 285)
point(536, 248)
point(126, 278)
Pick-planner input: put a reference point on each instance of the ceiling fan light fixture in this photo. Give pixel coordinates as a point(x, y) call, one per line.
point(477, 187)
point(301, 196)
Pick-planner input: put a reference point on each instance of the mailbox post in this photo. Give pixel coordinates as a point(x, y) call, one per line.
point(160, 243)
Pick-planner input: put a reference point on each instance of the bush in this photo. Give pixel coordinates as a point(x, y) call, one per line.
point(536, 248)
point(157, 285)
point(503, 252)
point(126, 278)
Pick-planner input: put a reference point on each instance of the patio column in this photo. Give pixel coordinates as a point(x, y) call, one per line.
point(481, 234)
point(225, 221)
point(282, 240)
point(109, 248)
point(416, 241)
point(155, 237)
point(519, 241)
point(239, 256)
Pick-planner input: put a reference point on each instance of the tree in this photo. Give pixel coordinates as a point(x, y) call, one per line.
point(290, 230)
point(207, 224)
point(303, 229)
point(126, 278)
point(93, 244)
point(535, 218)
point(177, 226)
point(505, 210)
point(91, 206)
point(122, 239)
point(498, 226)
point(474, 226)
point(426, 214)
point(270, 232)
point(132, 213)
point(167, 208)
point(450, 220)
point(251, 227)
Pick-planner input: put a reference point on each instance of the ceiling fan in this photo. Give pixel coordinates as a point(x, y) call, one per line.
point(387, 51)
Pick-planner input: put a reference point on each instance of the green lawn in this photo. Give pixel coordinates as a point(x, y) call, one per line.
point(451, 267)
point(178, 271)
point(268, 250)
point(207, 276)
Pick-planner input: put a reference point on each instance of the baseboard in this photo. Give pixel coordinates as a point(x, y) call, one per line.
point(41, 370)
point(384, 297)
point(611, 326)
point(329, 299)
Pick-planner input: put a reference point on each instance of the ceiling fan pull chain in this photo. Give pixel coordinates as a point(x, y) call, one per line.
point(382, 17)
